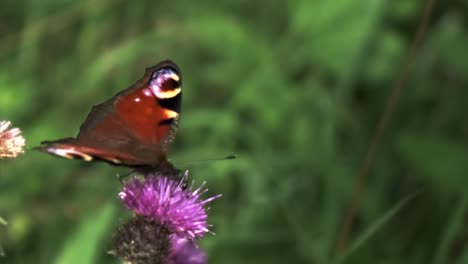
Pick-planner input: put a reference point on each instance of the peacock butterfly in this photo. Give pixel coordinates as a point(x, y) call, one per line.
point(134, 128)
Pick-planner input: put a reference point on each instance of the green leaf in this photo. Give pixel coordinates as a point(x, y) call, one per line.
point(337, 29)
point(442, 160)
point(83, 245)
point(374, 228)
point(453, 228)
point(3, 221)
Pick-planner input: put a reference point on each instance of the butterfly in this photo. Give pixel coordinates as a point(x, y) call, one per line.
point(134, 128)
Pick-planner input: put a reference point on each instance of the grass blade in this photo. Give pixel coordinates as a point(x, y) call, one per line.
point(454, 225)
point(374, 228)
point(84, 243)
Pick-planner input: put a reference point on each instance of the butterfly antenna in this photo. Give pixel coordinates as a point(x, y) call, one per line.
point(229, 157)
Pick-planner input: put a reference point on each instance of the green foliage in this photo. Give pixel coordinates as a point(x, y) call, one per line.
point(373, 228)
point(295, 88)
point(83, 246)
point(436, 156)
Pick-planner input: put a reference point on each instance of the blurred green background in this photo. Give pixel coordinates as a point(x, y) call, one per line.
point(295, 88)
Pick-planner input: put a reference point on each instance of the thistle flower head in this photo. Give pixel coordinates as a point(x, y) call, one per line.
point(11, 141)
point(167, 202)
point(142, 241)
point(185, 251)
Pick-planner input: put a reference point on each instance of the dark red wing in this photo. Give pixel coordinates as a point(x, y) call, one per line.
point(133, 128)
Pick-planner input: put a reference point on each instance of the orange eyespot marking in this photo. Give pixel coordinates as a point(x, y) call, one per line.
point(165, 83)
point(175, 77)
point(168, 93)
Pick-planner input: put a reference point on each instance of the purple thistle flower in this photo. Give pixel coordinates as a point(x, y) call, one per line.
point(142, 241)
point(185, 251)
point(168, 203)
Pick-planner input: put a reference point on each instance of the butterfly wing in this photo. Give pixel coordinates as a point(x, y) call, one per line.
point(133, 128)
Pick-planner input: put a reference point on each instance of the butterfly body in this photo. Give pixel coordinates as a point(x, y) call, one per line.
point(133, 128)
